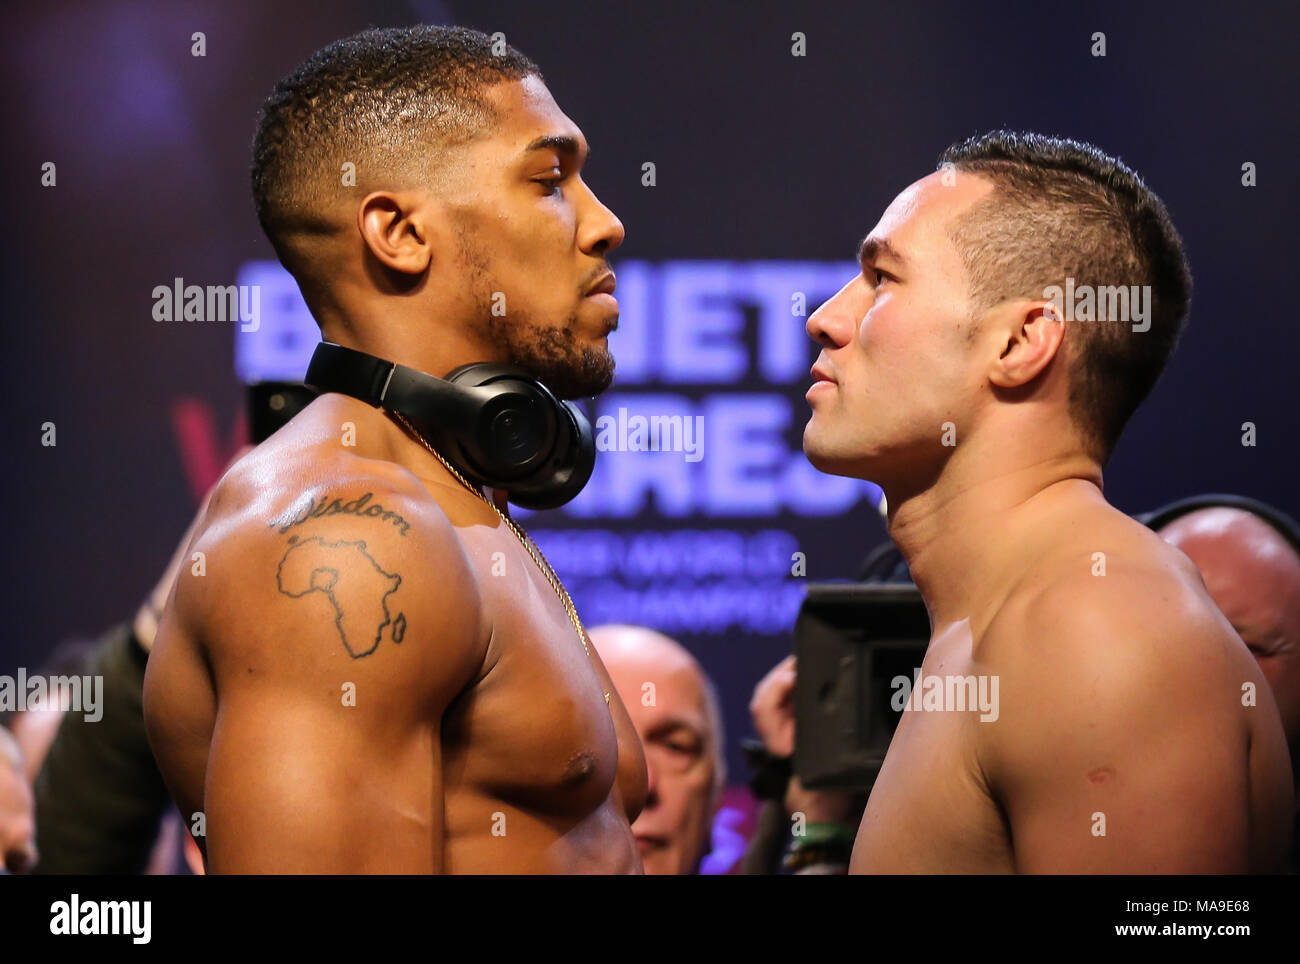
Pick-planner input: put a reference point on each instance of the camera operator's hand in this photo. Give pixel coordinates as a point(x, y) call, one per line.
point(17, 820)
point(772, 709)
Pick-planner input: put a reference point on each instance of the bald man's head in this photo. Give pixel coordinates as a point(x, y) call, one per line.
point(675, 710)
point(1253, 574)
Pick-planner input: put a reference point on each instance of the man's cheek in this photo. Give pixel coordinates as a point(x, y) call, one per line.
point(701, 776)
point(880, 320)
point(865, 331)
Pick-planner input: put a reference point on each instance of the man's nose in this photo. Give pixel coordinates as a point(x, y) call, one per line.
point(829, 326)
point(833, 324)
point(602, 231)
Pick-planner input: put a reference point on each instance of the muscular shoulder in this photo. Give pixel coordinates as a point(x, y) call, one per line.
point(1121, 621)
point(309, 562)
point(1123, 737)
point(1103, 648)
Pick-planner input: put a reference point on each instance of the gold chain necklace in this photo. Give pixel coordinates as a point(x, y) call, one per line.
point(542, 563)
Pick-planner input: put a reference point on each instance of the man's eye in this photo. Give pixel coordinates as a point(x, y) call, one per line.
point(551, 184)
point(880, 276)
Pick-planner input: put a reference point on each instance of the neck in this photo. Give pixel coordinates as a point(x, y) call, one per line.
point(415, 442)
point(433, 349)
point(501, 499)
point(952, 532)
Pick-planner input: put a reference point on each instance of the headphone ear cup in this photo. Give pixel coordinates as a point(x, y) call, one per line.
point(497, 425)
point(568, 471)
point(516, 431)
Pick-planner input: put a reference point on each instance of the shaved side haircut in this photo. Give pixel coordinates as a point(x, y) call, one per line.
point(1063, 209)
point(394, 102)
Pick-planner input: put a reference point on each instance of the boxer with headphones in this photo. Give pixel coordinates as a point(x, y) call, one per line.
point(365, 665)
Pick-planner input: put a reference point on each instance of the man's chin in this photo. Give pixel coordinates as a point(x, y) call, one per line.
point(817, 452)
point(828, 465)
point(829, 461)
point(590, 374)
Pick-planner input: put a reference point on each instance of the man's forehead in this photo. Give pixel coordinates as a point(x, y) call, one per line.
point(678, 686)
point(923, 211)
point(671, 675)
point(529, 118)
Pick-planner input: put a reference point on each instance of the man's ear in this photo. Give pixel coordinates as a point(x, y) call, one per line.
point(1030, 333)
point(396, 228)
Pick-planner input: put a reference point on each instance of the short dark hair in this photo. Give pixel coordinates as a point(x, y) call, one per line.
point(1065, 209)
point(385, 99)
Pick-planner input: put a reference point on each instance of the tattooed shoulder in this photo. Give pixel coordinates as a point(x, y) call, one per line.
point(346, 575)
point(308, 508)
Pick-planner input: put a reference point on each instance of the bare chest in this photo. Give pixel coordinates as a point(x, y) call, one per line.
point(536, 730)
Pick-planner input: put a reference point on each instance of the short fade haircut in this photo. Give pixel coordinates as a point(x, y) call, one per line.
point(393, 101)
point(1062, 209)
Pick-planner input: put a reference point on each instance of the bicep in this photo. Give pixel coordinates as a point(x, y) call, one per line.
point(303, 784)
point(325, 754)
point(1129, 795)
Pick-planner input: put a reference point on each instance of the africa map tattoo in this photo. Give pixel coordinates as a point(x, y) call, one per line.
point(359, 507)
point(360, 601)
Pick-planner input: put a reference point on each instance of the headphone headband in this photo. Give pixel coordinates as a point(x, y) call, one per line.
point(386, 384)
point(499, 426)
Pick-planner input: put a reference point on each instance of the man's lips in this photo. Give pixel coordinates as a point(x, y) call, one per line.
point(822, 382)
point(602, 293)
point(604, 286)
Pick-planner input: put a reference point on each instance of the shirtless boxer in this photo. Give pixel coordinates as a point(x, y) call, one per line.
point(445, 713)
point(1133, 733)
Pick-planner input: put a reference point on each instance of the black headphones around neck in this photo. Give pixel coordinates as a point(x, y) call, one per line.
point(498, 426)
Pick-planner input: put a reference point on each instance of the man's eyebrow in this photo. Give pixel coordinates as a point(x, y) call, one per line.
point(873, 248)
point(560, 143)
